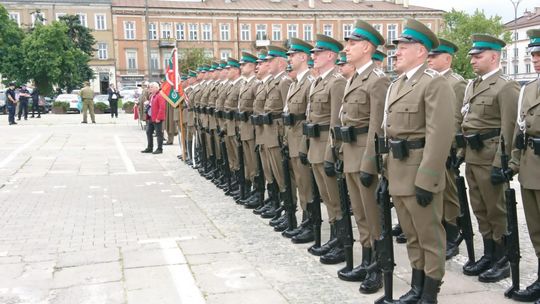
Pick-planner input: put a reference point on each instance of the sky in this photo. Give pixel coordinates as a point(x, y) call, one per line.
point(503, 8)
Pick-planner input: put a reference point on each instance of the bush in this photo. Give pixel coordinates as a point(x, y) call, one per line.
point(61, 104)
point(101, 106)
point(128, 105)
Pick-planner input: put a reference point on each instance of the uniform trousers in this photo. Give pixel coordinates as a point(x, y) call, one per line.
point(365, 209)
point(451, 208)
point(250, 159)
point(300, 174)
point(531, 206)
point(329, 191)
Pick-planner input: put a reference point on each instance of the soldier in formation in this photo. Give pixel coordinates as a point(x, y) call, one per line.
point(285, 129)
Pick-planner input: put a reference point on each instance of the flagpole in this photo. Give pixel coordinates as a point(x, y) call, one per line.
point(180, 107)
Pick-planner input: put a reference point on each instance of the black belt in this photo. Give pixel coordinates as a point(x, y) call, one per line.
point(410, 144)
point(229, 115)
point(242, 116)
point(314, 130)
point(400, 147)
point(476, 140)
point(256, 120)
point(268, 118)
point(210, 110)
point(289, 119)
point(348, 133)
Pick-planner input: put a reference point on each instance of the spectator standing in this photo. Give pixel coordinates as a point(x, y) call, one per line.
point(24, 95)
point(154, 118)
point(11, 103)
point(87, 96)
point(35, 102)
point(114, 95)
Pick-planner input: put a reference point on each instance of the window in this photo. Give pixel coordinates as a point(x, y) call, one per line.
point(276, 32)
point(308, 32)
point(129, 30)
point(131, 58)
point(528, 68)
point(101, 23)
point(390, 60)
point(207, 32)
point(38, 17)
point(428, 25)
point(166, 30)
point(154, 60)
point(378, 27)
point(245, 32)
point(193, 29)
point(516, 36)
point(224, 30)
point(504, 70)
point(224, 54)
point(516, 52)
point(102, 51)
point(82, 19)
point(516, 69)
point(504, 54)
point(392, 32)
point(527, 53)
point(261, 32)
point(15, 17)
point(292, 31)
point(347, 30)
point(208, 53)
point(180, 31)
point(328, 30)
point(58, 15)
point(152, 31)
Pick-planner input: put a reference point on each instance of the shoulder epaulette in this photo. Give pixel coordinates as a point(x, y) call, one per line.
point(379, 72)
point(338, 75)
point(432, 73)
point(311, 78)
point(505, 77)
point(458, 77)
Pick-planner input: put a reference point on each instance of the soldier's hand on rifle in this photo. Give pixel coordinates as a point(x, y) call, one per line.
point(509, 173)
point(303, 158)
point(329, 169)
point(458, 161)
point(366, 179)
point(497, 176)
point(423, 197)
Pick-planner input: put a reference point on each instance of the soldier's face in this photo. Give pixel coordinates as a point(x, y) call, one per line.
point(439, 62)
point(247, 68)
point(536, 61)
point(262, 69)
point(484, 62)
point(296, 60)
point(347, 70)
point(357, 51)
point(323, 58)
point(408, 55)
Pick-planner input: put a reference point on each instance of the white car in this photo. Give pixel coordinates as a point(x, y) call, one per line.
point(72, 99)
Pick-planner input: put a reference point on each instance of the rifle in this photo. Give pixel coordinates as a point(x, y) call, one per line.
point(464, 218)
point(259, 178)
point(241, 171)
point(384, 248)
point(344, 230)
point(511, 238)
point(225, 163)
point(315, 211)
point(202, 146)
point(288, 203)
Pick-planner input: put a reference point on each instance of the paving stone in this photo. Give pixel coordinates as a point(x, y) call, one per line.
point(88, 257)
point(154, 257)
point(110, 293)
point(87, 274)
point(259, 296)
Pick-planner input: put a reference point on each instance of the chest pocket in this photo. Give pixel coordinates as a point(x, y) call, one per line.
point(355, 102)
point(486, 106)
point(319, 102)
point(407, 114)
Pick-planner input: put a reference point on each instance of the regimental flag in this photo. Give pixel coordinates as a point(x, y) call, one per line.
point(172, 90)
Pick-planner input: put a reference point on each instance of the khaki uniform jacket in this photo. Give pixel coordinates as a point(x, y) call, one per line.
point(212, 101)
point(231, 104)
point(419, 109)
point(297, 101)
point(246, 97)
point(192, 95)
point(363, 106)
point(324, 104)
point(187, 100)
point(199, 91)
point(205, 95)
point(220, 102)
point(275, 101)
point(526, 162)
point(458, 84)
point(491, 105)
point(258, 107)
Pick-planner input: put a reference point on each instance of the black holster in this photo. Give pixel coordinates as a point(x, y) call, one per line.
point(475, 141)
point(399, 148)
point(337, 133)
point(347, 134)
point(267, 119)
point(288, 119)
point(460, 140)
point(313, 130)
point(535, 142)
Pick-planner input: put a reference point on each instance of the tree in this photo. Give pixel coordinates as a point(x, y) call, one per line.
point(51, 58)
point(190, 59)
point(459, 26)
point(11, 55)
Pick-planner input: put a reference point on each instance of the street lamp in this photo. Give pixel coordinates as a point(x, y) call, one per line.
point(515, 3)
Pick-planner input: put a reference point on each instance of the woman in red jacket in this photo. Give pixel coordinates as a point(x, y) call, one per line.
point(155, 114)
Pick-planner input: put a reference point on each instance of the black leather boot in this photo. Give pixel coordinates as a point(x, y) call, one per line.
point(531, 293)
point(255, 202)
point(452, 232)
point(336, 255)
point(307, 235)
point(430, 292)
point(476, 268)
point(396, 230)
point(305, 221)
point(401, 238)
point(373, 281)
point(273, 194)
point(417, 285)
point(279, 220)
point(358, 273)
point(267, 204)
point(282, 226)
point(500, 268)
point(325, 248)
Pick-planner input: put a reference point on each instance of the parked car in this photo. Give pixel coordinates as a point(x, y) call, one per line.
point(3, 102)
point(103, 99)
point(72, 99)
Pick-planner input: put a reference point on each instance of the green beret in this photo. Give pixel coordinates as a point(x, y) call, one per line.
point(417, 32)
point(183, 77)
point(364, 31)
point(534, 36)
point(248, 58)
point(310, 63)
point(378, 56)
point(192, 73)
point(298, 45)
point(445, 46)
point(276, 51)
point(342, 58)
point(262, 55)
point(232, 63)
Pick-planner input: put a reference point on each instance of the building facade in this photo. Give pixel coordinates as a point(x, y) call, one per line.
point(516, 60)
point(146, 31)
point(94, 14)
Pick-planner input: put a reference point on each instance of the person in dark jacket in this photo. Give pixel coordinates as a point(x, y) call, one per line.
point(24, 95)
point(114, 95)
point(35, 102)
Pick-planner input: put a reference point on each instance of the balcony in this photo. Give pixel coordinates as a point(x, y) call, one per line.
point(167, 43)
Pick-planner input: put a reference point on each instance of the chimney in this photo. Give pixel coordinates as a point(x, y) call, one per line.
point(311, 4)
point(406, 3)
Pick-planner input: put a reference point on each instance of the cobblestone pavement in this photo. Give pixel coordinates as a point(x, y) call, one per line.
point(86, 218)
